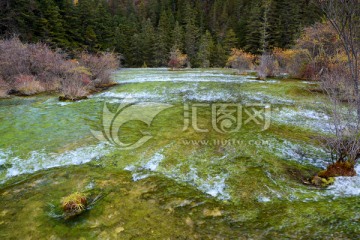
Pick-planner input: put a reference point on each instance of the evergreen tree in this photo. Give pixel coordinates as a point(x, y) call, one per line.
point(50, 23)
point(191, 33)
point(178, 37)
point(205, 49)
point(254, 26)
point(230, 41)
point(219, 56)
point(135, 57)
point(104, 27)
point(147, 42)
point(163, 40)
point(126, 28)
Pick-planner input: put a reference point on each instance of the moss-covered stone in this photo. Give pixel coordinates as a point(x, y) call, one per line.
point(74, 204)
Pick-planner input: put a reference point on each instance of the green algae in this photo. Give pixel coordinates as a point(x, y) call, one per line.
point(205, 185)
point(157, 207)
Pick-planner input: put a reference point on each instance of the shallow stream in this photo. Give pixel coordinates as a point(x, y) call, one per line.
point(193, 154)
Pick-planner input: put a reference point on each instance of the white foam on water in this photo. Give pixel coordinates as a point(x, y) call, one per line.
point(127, 95)
point(154, 162)
point(211, 96)
point(303, 118)
point(64, 103)
point(346, 186)
point(144, 168)
point(39, 160)
point(4, 156)
point(264, 98)
point(214, 185)
point(263, 199)
point(190, 75)
point(302, 153)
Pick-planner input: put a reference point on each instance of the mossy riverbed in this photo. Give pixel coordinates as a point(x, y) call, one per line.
point(180, 184)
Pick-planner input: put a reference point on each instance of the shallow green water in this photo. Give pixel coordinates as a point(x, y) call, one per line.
point(181, 183)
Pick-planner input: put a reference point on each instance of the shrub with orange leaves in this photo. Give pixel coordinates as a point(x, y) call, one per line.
point(240, 60)
point(292, 61)
point(318, 44)
point(319, 39)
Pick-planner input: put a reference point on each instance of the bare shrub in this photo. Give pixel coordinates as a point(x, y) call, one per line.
point(76, 81)
point(73, 88)
point(344, 145)
point(38, 59)
point(269, 66)
point(4, 88)
point(101, 66)
point(27, 85)
point(49, 66)
point(14, 59)
point(240, 60)
point(32, 68)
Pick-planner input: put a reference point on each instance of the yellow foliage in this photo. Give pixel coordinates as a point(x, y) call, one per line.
point(241, 60)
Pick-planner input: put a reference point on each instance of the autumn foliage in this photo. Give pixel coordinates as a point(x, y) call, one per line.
point(177, 59)
point(292, 61)
point(28, 69)
point(240, 60)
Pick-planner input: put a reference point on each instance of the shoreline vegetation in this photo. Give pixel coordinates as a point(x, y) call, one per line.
point(28, 69)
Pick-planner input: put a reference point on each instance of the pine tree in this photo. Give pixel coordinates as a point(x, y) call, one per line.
point(178, 37)
point(230, 41)
point(97, 25)
point(136, 55)
point(254, 26)
point(104, 27)
point(219, 56)
point(191, 34)
point(51, 24)
point(147, 43)
point(206, 47)
point(126, 28)
point(163, 40)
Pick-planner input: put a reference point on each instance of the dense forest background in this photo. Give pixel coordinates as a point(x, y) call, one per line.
point(145, 31)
